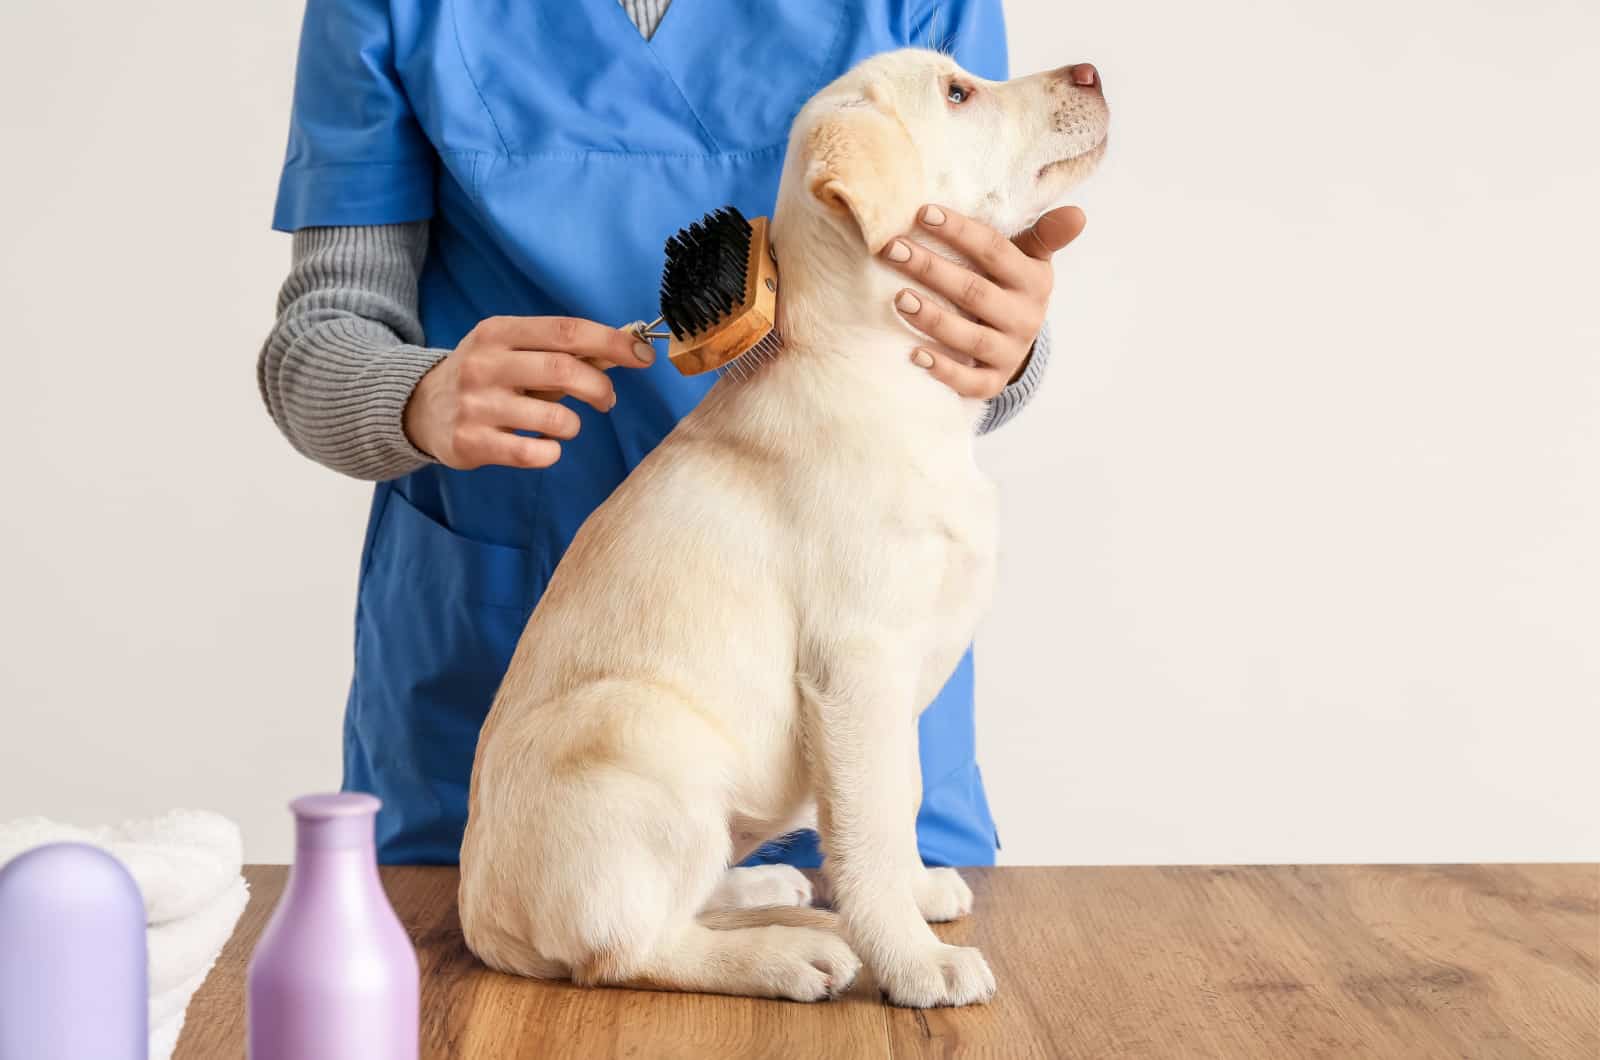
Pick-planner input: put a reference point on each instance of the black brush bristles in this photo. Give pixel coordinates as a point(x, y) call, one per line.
point(705, 273)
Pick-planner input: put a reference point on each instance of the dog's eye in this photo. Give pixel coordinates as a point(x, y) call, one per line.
point(958, 93)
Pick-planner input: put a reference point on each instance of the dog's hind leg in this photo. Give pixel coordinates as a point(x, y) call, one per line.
point(773, 960)
point(789, 951)
point(636, 928)
point(626, 841)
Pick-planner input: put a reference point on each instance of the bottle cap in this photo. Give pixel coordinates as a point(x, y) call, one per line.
point(335, 821)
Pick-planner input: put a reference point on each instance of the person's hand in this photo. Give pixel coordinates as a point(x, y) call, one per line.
point(1002, 298)
point(509, 374)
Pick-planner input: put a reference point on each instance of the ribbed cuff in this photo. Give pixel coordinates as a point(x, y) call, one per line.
point(1006, 404)
point(347, 402)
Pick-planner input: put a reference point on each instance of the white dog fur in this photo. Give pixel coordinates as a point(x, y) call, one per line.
point(740, 640)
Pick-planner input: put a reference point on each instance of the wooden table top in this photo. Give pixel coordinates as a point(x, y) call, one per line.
point(1295, 961)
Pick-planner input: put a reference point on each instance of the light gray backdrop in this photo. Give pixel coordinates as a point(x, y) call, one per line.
point(1299, 540)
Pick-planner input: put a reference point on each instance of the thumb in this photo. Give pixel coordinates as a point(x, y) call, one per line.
point(1051, 232)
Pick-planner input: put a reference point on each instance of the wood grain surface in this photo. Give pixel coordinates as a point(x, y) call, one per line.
point(1294, 961)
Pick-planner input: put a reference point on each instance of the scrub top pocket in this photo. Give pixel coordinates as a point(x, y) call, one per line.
point(439, 618)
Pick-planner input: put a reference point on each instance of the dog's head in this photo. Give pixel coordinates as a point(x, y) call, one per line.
point(911, 127)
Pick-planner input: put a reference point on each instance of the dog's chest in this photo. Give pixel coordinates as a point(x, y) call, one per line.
point(961, 579)
point(969, 557)
point(939, 552)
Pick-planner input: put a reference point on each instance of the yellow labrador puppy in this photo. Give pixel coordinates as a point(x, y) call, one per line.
point(739, 641)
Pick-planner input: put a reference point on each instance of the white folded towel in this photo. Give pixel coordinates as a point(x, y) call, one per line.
point(181, 860)
point(179, 948)
point(187, 865)
point(182, 953)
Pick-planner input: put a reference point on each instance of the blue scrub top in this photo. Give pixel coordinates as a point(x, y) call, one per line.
point(554, 150)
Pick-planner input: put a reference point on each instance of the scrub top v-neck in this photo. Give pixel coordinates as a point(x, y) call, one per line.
point(553, 150)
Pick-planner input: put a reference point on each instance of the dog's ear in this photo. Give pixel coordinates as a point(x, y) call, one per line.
point(862, 163)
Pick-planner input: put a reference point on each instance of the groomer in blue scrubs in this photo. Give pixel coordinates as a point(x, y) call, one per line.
point(479, 191)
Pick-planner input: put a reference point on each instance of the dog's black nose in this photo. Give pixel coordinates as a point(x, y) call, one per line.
point(1084, 75)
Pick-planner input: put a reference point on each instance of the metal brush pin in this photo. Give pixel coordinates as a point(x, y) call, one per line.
point(646, 332)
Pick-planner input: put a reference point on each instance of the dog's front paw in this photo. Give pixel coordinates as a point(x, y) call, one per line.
point(942, 895)
point(942, 975)
point(759, 886)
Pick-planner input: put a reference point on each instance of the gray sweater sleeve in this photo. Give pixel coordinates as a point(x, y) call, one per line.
point(347, 350)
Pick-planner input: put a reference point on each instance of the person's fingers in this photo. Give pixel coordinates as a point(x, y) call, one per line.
point(478, 445)
point(972, 381)
point(983, 344)
point(989, 251)
point(584, 338)
point(544, 371)
point(967, 289)
point(506, 409)
point(1051, 232)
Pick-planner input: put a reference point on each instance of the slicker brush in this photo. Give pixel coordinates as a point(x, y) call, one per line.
point(719, 294)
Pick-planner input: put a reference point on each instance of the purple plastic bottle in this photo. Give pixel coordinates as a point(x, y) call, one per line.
point(334, 976)
point(74, 981)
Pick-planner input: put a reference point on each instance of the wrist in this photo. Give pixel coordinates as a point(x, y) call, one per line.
point(420, 418)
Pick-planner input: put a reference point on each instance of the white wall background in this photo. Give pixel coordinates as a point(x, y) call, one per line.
point(1299, 539)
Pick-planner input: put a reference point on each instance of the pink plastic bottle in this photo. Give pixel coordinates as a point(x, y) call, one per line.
point(334, 976)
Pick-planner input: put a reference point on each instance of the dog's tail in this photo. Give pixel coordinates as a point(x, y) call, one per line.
point(772, 916)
